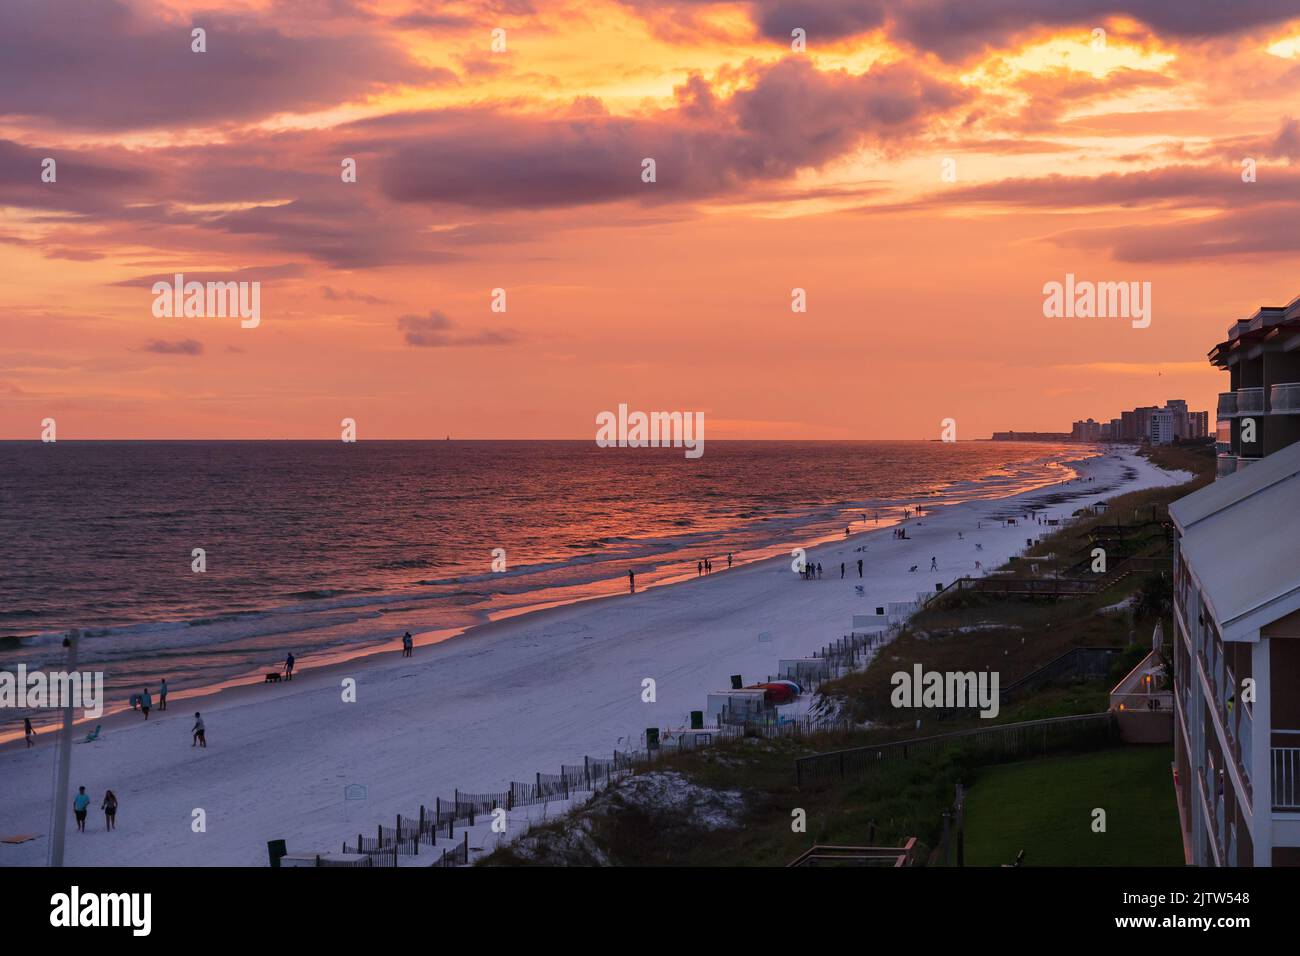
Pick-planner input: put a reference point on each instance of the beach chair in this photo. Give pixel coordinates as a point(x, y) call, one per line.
point(93, 735)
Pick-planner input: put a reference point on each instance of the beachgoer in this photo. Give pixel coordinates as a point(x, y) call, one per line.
point(408, 644)
point(162, 695)
point(631, 582)
point(28, 732)
point(728, 559)
point(934, 564)
point(146, 703)
point(109, 806)
point(699, 568)
point(819, 569)
point(79, 804)
point(841, 570)
point(288, 666)
point(846, 531)
point(135, 701)
point(198, 730)
point(859, 567)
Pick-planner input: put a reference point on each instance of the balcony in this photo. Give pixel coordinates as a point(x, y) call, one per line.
point(1227, 404)
point(1285, 398)
point(1250, 401)
point(1226, 465)
point(1286, 778)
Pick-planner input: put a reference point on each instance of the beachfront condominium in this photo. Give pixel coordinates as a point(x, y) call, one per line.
point(1237, 666)
point(1260, 413)
point(1237, 612)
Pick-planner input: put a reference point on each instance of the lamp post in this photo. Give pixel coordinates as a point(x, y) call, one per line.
point(59, 810)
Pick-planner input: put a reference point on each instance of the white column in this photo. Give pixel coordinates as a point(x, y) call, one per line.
point(1261, 758)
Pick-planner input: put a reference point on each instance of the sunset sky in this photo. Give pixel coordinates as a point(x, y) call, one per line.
point(522, 170)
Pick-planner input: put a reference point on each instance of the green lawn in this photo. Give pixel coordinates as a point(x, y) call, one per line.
point(1045, 807)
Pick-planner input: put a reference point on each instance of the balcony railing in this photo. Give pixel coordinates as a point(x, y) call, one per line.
point(1250, 401)
point(1227, 404)
point(1286, 778)
point(1225, 465)
point(1285, 397)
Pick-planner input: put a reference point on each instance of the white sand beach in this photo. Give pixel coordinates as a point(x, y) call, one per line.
point(500, 703)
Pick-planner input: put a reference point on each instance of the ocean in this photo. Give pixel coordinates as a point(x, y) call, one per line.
point(327, 549)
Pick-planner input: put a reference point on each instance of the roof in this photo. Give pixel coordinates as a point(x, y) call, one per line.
point(1240, 545)
point(1268, 322)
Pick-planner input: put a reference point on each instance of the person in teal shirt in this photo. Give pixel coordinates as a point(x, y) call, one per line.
point(79, 804)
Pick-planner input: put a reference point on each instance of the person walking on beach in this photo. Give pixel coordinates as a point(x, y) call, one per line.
point(198, 730)
point(162, 695)
point(859, 567)
point(408, 644)
point(819, 570)
point(28, 733)
point(728, 559)
point(109, 806)
point(79, 804)
point(631, 582)
point(846, 531)
point(841, 570)
point(146, 703)
point(699, 568)
point(288, 666)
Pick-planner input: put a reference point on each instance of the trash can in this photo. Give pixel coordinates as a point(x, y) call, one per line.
point(276, 849)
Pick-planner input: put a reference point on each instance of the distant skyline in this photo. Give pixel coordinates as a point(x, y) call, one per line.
point(919, 172)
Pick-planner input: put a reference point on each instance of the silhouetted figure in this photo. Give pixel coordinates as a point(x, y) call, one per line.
point(631, 582)
point(162, 695)
point(288, 666)
point(859, 567)
point(408, 645)
point(146, 703)
point(841, 570)
point(28, 732)
point(109, 806)
point(199, 731)
point(79, 804)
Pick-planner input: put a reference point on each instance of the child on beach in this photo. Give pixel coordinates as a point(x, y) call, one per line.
point(146, 702)
point(28, 732)
point(200, 738)
point(79, 804)
point(109, 806)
